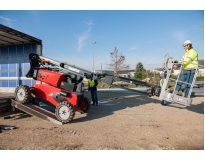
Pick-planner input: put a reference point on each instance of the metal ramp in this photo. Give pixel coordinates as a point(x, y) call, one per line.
point(36, 111)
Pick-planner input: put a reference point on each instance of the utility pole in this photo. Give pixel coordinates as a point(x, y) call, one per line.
point(93, 55)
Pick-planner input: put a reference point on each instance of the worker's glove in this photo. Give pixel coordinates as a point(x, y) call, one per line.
point(177, 65)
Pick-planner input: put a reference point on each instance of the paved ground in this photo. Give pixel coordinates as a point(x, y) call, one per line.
point(122, 121)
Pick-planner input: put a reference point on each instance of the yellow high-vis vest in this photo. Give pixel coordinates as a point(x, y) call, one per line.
point(91, 82)
point(190, 59)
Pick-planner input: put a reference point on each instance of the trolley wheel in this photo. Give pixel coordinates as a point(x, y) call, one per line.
point(65, 112)
point(87, 106)
point(22, 94)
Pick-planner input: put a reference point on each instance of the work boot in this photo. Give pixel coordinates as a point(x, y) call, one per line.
point(176, 92)
point(185, 95)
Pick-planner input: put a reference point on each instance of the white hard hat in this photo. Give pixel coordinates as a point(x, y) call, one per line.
point(187, 42)
point(161, 73)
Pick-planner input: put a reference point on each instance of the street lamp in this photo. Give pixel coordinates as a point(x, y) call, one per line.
point(93, 55)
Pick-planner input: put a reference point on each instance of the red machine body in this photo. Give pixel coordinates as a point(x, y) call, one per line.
point(50, 77)
point(53, 95)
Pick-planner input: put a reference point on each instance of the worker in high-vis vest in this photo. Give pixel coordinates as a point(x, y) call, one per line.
point(189, 63)
point(92, 87)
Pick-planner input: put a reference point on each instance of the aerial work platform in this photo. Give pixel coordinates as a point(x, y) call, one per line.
point(180, 97)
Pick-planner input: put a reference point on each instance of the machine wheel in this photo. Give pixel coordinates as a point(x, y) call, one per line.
point(65, 112)
point(22, 94)
point(87, 107)
point(33, 100)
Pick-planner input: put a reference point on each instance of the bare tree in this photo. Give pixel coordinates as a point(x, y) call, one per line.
point(117, 61)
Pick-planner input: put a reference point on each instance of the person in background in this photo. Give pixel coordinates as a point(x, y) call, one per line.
point(92, 87)
point(190, 63)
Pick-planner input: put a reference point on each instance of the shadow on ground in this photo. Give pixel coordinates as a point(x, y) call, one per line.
point(199, 108)
point(109, 102)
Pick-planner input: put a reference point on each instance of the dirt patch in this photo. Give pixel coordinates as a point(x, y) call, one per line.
point(122, 121)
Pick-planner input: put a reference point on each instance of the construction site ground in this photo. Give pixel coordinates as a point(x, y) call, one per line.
point(123, 120)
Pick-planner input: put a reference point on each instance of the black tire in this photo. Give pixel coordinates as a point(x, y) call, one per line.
point(22, 94)
point(87, 107)
point(34, 101)
point(65, 112)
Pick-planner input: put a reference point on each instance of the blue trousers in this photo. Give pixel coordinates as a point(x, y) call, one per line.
point(187, 77)
point(94, 96)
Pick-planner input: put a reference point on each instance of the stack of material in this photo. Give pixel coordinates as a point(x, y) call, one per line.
point(5, 104)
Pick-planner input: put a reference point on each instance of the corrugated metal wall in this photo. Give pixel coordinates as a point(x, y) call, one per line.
point(14, 65)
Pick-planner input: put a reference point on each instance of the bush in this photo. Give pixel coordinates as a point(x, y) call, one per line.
point(102, 84)
point(138, 75)
point(201, 78)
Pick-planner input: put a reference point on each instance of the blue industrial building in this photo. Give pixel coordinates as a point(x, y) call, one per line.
point(15, 48)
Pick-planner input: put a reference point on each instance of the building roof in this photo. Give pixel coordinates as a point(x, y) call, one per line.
point(9, 36)
point(125, 71)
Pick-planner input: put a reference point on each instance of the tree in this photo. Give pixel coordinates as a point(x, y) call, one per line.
point(117, 62)
point(138, 75)
point(139, 67)
point(138, 70)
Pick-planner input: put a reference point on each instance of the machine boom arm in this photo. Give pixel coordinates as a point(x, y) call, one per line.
point(37, 61)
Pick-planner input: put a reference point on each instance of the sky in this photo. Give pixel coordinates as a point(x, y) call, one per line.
point(144, 36)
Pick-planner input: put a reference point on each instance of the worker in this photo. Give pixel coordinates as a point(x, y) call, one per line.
point(92, 87)
point(190, 62)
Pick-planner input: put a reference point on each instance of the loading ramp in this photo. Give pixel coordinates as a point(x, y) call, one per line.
point(36, 111)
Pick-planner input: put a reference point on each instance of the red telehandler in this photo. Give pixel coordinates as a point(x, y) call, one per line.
point(56, 86)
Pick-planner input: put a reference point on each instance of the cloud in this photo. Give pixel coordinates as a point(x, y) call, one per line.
point(81, 40)
point(84, 36)
point(134, 48)
point(7, 20)
point(179, 36)
point(90, 23)
point(35, 15)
